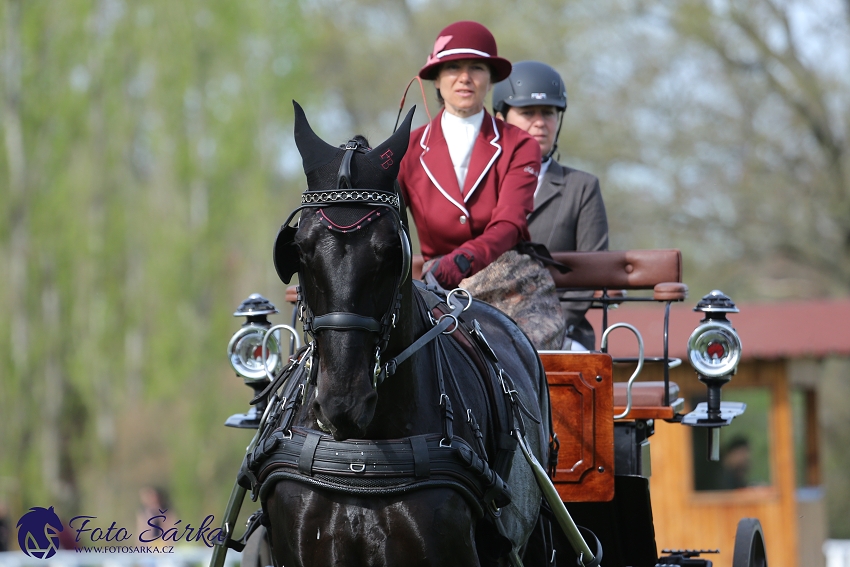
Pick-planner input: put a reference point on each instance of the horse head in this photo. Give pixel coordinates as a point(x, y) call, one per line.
point(38, 532)
point(351, 250)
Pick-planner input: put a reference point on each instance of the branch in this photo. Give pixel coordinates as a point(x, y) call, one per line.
point(814, 110)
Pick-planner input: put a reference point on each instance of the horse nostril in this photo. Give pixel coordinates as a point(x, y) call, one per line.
point(317, 412)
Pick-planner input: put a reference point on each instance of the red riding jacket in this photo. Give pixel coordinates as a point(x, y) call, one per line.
point(489, 217)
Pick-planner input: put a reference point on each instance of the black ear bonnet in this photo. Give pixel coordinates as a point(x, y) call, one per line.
point(350, 185)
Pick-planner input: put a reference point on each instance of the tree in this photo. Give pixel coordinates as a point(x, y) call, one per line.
point(140, 170)
point(740, 114)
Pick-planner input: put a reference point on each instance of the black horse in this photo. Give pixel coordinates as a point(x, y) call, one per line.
point(422, 412)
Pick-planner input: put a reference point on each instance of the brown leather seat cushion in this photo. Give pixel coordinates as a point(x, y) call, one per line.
point(618, 269)
point(644, 394)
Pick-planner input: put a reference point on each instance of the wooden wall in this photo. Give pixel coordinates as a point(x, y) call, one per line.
point(685, 518)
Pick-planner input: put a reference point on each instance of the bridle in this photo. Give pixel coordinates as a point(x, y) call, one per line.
point(345, 196)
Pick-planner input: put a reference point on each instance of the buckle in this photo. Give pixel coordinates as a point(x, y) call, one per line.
point(352, 145)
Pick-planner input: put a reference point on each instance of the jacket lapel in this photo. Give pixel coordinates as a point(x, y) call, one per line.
point(484, 153)
point(437, 163)
point(553, 182)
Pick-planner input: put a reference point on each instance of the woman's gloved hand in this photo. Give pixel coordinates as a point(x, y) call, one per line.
point(452, 268)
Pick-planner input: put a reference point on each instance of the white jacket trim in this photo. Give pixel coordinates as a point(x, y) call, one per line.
point(431, 176)
point(495, 144)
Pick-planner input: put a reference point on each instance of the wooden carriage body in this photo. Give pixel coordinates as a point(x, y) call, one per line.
point(678, 515)
point(605, 474)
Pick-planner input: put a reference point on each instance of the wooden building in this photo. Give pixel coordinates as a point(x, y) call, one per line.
point(695, 504)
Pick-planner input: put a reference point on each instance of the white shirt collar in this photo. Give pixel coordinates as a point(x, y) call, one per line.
point(544, 167)
point(460, 133)
point(454, 121)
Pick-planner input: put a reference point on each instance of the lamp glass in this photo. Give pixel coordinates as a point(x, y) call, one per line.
point(246, 352)
point(714, 349)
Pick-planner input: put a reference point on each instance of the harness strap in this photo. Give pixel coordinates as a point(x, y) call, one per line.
point(343, 178)
point(421, 463)
point(394, 466)
point(308, 453)
point(284, 394)
point(356, 465)
point(445, 402)
point(500, 398)
point(443, 323)
point(470, 418)
point(342, 321)
point(471, 345)
point(476, 430)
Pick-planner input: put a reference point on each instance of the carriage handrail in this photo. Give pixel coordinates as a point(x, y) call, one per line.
point(639, 365)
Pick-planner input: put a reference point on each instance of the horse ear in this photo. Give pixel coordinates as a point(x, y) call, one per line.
point(388, 155)
point(314, 151)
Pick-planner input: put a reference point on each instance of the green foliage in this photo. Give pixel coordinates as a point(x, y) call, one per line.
point(151, 135)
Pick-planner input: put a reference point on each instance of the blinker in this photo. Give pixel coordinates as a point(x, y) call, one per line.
point(286, 261)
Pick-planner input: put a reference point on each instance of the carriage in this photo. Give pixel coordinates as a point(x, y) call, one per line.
point(594, 472)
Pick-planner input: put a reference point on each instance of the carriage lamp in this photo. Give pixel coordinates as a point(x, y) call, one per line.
point(245, 352)
point(714, 350)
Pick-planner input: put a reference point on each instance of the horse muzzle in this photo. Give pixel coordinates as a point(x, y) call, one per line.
point(345, 413)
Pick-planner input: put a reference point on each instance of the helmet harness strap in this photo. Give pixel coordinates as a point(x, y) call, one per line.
point(551, 152)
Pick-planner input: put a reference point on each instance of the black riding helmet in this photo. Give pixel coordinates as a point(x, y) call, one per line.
point(532, 83)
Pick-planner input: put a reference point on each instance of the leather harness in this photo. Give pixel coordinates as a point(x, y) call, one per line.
point(381, 467)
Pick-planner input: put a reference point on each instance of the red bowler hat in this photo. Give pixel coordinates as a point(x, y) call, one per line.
point(465, 40)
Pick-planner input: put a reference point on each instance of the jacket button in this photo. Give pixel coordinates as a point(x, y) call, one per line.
point(462, 219)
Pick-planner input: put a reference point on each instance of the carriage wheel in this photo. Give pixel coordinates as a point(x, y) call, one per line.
point(257, 552)
point(749, 545)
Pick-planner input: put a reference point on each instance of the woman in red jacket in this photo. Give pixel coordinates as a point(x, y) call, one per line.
point(468, 178)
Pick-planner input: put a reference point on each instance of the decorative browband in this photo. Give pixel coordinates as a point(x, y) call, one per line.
point(350, 196)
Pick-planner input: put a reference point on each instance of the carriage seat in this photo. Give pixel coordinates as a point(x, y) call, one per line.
point(647, 400)
point(292, 294)
point(658, 270)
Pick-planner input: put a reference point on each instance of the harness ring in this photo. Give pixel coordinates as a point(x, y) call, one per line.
point(451, 330)
point(459, 290)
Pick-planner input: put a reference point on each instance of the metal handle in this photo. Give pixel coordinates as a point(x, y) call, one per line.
point(271, 330)
point(639, 366)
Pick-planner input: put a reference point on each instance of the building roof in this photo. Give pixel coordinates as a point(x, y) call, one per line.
point(776, 330)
